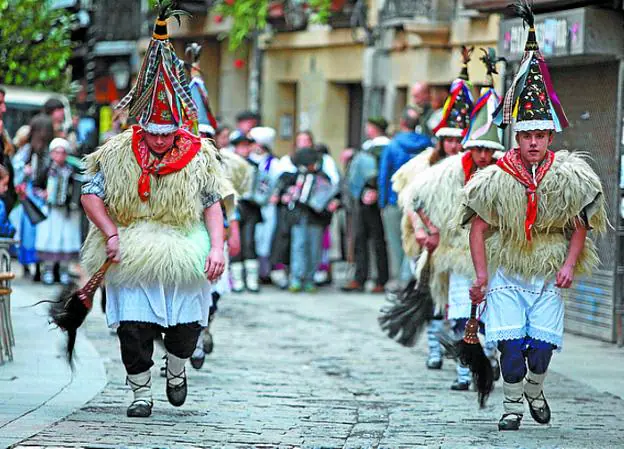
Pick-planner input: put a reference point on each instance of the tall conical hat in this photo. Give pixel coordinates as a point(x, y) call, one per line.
point(531, 101)
point(199, 92)
point(193, 53)
point(160, 99)
point(482, 131)
point(458, 105)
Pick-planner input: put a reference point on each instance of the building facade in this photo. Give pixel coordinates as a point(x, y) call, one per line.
point(226, 73)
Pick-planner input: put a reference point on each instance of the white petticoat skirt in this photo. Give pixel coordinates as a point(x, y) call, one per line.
point(222, 286)
point(166, 305)
point(459, 303)
point(59, 235)
point(517, 307)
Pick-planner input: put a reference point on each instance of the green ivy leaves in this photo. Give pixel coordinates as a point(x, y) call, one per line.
point(249, 16)
point(35, 44)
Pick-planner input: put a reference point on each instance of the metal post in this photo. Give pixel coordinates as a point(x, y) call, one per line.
point(90, 64)
point(255, 75)
point(618, 290)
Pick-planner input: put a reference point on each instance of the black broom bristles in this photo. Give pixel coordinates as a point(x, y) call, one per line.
point(472, 356)
point(469, 352)
point(72, 307)
point(68, 312)
point(407, 318)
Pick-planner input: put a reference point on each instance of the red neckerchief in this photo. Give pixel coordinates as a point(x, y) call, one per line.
point(185, 147)
point(512, 164)
point(469, 166)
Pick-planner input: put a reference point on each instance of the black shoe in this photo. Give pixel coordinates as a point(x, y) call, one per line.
point(176, 394)
point(37, 275)
point(57, 273)
point(140, 409)
point(264, 280)
point(460, 386)
point(496, 372)
point(434, 364)
point(539, 414)
point(208, 342)
point(510, 421)
point(197, 362)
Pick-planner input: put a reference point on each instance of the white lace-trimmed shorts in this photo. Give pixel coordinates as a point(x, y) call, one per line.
point(518, 307)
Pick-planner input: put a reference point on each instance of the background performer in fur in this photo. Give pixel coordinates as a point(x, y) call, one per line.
point(450, 130)
point(240, 178)
point(436, 199)
point(536, 206)
point(165, 234)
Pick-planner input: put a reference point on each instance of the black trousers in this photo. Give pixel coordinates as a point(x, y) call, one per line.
point(136, 340)
point(280, 248)
point(369, 227)
point(250, 216)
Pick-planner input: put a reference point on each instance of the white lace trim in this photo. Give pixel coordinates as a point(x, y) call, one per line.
point(548, 337)
point(154, 128)
point(450, 132)
point(534, 125)
point(476, 143)
point(505, 334)
point(521, 332)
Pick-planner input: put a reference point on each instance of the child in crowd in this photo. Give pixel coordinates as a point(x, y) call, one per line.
point(58, 237)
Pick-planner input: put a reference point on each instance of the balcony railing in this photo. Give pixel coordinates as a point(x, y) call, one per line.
point(341, 13)
point(288, 15)
point(118, 20)
point(196, 7)
point(538, 5)
point(399, 10)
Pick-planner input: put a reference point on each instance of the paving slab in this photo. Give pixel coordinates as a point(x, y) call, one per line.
point(315, 371)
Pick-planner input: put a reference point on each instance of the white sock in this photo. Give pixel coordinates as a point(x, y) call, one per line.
point(533, 386)
point(175, 367)
point(513, 401)
point(141, 385)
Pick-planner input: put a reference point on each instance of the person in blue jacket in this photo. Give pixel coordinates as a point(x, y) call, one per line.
point(405, 145)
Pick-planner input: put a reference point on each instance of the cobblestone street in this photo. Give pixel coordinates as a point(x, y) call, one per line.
point(315, 371)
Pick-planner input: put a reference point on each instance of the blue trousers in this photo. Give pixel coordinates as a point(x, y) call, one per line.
point(305, 250)
point(518, 353)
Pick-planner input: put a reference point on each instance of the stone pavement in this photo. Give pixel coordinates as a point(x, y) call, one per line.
point(37, 388)
point(315, 371)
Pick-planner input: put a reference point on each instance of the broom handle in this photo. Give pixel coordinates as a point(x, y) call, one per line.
point(473, 311)
point(472, 327)
point(92, 285)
